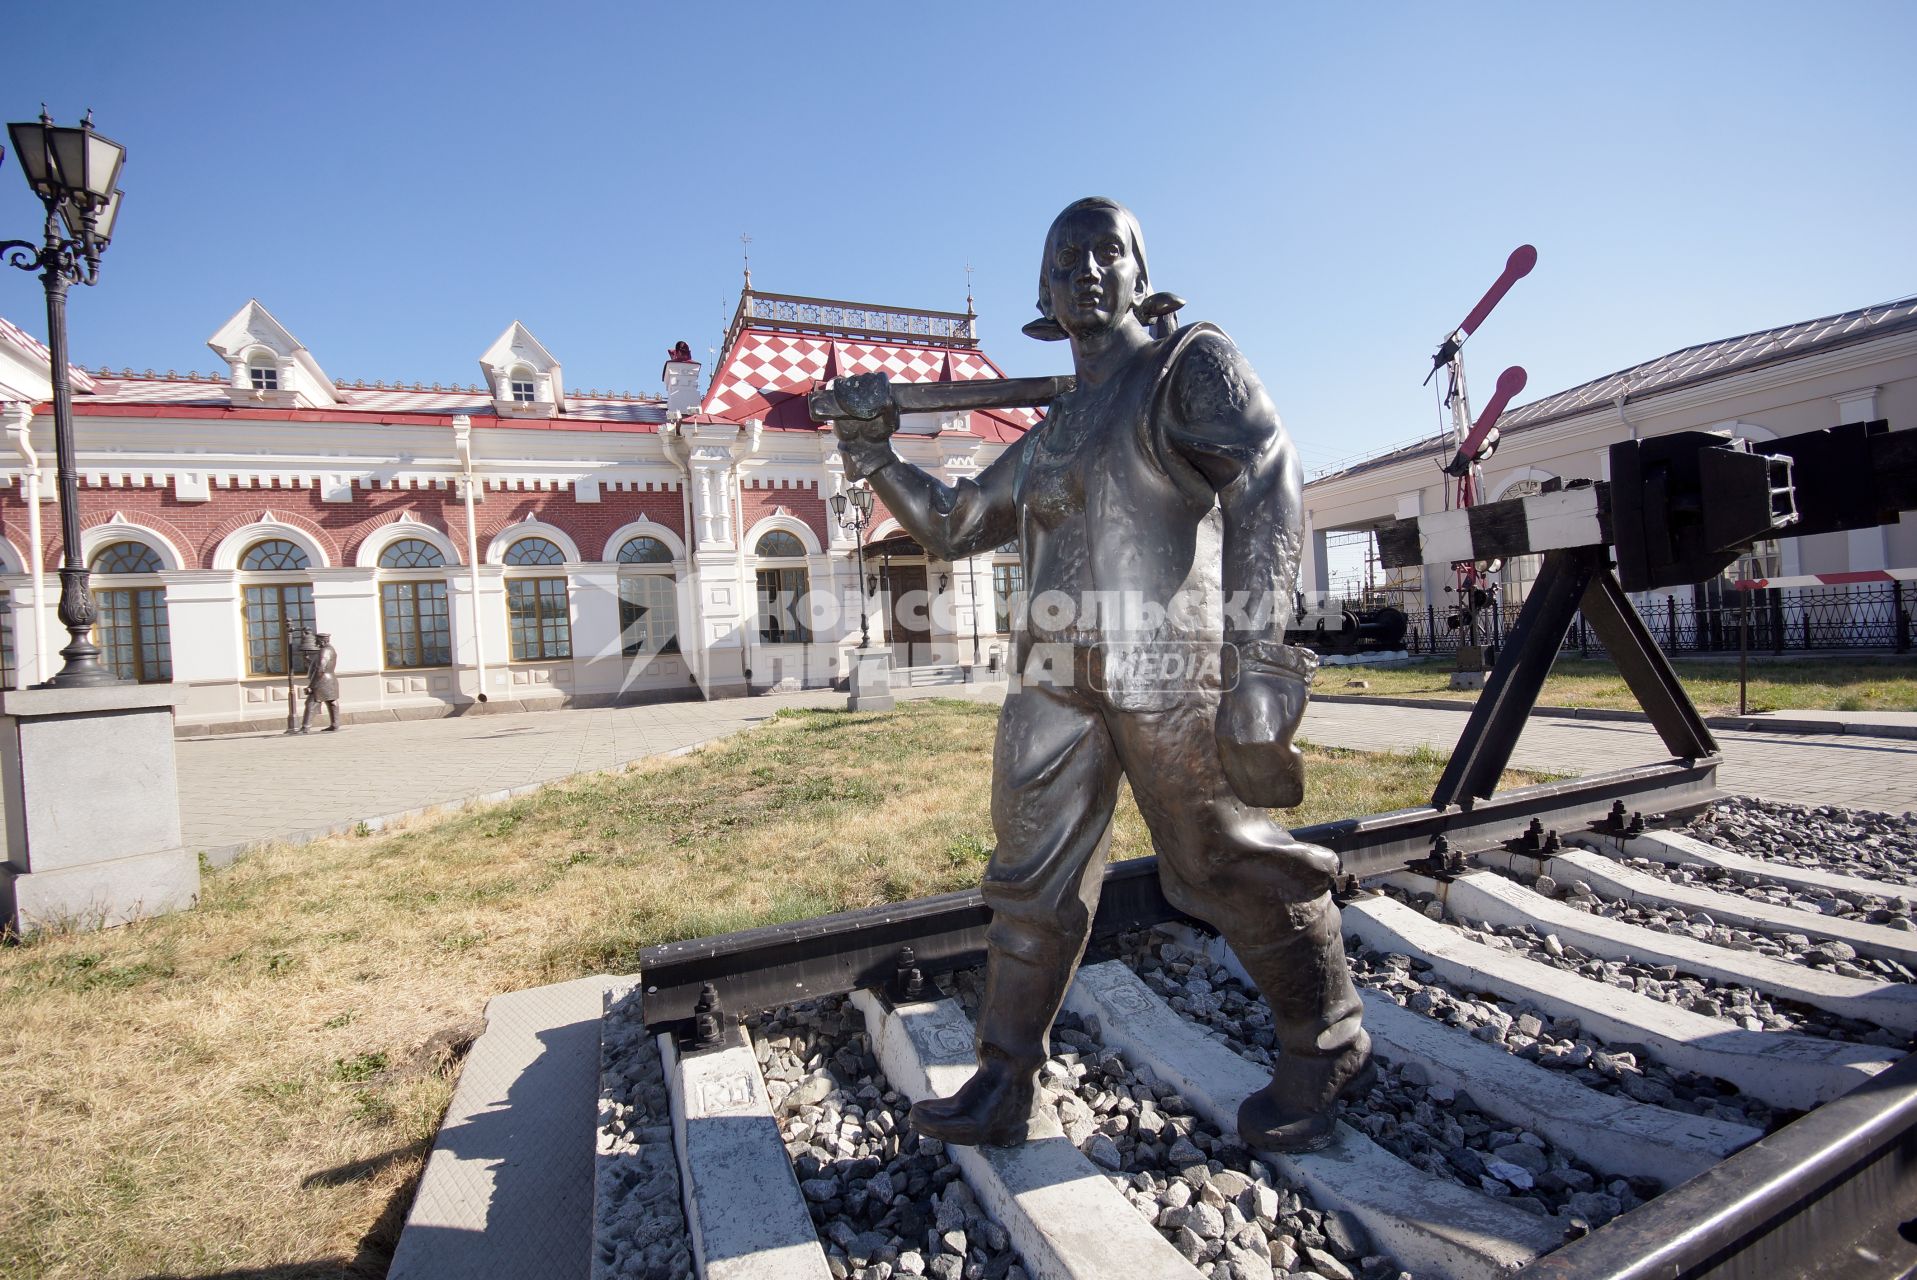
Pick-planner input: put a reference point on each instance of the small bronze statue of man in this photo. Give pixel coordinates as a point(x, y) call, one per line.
point(322, 685)
point(1163, 479)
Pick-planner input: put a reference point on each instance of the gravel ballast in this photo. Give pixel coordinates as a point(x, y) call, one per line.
point(887, 1203)
point(1426, 1124)
point(1852, 842)
point(1229, 1213)
point(639, 1224)
point(1747, 1007)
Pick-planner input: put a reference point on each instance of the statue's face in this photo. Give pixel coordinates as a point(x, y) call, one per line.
point(1092, 276)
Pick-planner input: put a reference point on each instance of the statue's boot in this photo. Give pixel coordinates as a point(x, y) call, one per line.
point(994, 1107)
point(1317, 1021)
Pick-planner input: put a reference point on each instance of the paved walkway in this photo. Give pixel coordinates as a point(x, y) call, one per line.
point(242, 789)
point(238, 791)
point(1873, 773)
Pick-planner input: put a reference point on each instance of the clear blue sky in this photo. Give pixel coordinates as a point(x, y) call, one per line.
point(1334, 184)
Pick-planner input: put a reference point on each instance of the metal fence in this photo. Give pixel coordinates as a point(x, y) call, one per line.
point(1875, 618)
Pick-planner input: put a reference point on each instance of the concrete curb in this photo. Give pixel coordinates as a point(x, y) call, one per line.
point(1488, 897)
point(1615, 1134)
point(276, 725)
point(1614, 880)
point(1799, 726)
point(507, 1193)
point(1064, 1217)
point(743, 1208)
point(1784, 1070)
point(1433, 1227)
point(225, 855)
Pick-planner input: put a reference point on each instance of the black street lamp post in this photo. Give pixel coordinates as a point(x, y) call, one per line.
point(74, 171)
point(861, 514)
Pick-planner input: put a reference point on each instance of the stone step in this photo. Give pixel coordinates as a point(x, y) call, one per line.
point(744, 1211)
point(1490, 898)
point(1614, 1134)
point(1611, 879)
point(1432, 1226)
point(928, 674)
point(1066, 1220)
point(1680, 849)
point(1782, 1069)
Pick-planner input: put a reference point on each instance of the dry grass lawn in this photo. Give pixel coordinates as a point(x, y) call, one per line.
point(1834, 684)
point(252, 1086)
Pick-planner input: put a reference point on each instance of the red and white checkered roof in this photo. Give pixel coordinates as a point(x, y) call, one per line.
point(767, 375)
point(764, 368)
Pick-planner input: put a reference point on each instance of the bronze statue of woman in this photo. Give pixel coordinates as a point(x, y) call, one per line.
point(1161, 497)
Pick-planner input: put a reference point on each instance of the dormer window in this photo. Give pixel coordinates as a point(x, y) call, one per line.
point(267, 365)
point(525, 380)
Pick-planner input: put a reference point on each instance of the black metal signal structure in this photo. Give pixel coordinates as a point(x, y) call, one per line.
point(1678, 509)
point(1473, 441)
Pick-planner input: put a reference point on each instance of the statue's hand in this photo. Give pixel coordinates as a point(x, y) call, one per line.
point(865, 440)
point(1257, 718)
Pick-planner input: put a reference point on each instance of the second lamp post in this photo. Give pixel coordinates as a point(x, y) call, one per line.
point(861, 515)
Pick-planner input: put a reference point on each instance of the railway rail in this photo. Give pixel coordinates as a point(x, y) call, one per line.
point(1565, 1095)
point(1833, 1192)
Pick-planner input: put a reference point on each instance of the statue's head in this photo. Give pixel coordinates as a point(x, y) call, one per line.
point(1093, 275)
point(324, 637)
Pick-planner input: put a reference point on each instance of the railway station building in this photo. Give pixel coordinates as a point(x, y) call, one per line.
point(511, 537)
point(1856, 366)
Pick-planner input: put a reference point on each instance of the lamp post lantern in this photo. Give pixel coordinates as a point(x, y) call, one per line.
point(75, 173)
point(861, 514)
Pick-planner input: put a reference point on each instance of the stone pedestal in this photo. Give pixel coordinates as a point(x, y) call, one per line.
point(93, 807)
point(871, 680)
point(1471, 672)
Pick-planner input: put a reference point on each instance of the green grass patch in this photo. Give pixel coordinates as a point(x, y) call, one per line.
point(178, 1090)
point(1812, 684)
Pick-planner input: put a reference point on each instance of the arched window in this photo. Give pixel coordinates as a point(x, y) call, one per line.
point(778, 544)
point(278, 604)
point(644, 550)
point(782, 588)
point(274, 554)
point(524, 389)
point(534, 551)
point(1520, 571)
point(414, 619)
point(411, 553)
point(126, 557)
point(648, 598)
point(536, 606)
point(262, 370)
point(131, 627)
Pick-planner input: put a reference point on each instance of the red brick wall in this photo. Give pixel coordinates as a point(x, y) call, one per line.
point(197, 528)
point(589, 524)
point(802, 502)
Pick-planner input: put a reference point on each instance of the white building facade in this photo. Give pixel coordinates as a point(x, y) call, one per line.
point(1857, 366)
point(510, 543)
